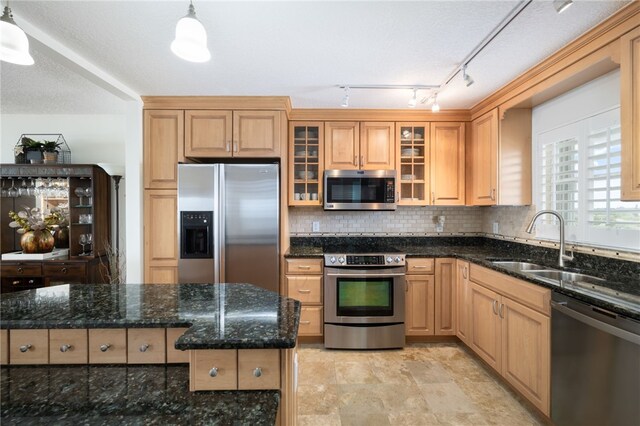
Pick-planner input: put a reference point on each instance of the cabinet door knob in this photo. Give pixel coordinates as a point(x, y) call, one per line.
point(25, 348)
point(257, 372)
point(235, 146)
point(105, 347)
point(20, 270)
point(213, 372)
point(228, 146)
point(144, 347)
point(493, 194)
point(63, 270)
point(65, 348)
point(355, 160)
point(464, 272)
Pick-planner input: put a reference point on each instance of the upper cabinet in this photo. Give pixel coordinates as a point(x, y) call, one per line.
point(219, 134)
point(447, 164)
point(498, 158)
point(305, 163)
point(353, 145)
point(412, 153)
point(630, 114)
point(163, 143)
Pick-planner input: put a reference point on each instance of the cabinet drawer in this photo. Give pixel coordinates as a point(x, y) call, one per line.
point(65, 269)
point(29, 347)
point(311, 321)
point(18, 270)
point(146, 346)
point(420, 266)
point(4, 347)
point(213, 369)
point(68, 346)
point(108, 346)
point(174, 355)
point(258, 369)
point(304, 266)
point(305, 289)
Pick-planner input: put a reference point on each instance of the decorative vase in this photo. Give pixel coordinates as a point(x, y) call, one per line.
point(50, 157)
point(37, 241)
point(61, 237)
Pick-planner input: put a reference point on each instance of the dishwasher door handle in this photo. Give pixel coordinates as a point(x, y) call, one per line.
point(607, 328)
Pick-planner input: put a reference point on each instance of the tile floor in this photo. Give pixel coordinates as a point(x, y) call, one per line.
point(423, 384)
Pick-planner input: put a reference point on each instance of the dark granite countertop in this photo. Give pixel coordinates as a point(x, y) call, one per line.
point(219, 316)
point(124, 395)
point(621, 276)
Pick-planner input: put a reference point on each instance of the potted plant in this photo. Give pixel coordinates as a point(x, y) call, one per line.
point(28, 151)
point(35, 228)
point(50, 151)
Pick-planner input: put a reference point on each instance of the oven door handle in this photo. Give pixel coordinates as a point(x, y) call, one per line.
point(342, 274)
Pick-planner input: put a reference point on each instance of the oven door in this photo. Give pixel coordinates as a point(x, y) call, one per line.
point(364, 296)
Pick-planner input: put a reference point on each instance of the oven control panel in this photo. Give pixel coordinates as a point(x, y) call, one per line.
point(354, 260)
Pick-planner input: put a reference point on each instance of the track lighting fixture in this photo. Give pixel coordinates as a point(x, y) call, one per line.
point(14, 45)
point(190, 43)
point(414, 99)
point(435, 107)
point(345, 99)
point(562, 5)
point(468, 81)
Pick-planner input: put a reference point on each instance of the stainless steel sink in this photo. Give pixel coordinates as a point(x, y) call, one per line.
point(557, 276)
point(519, 266)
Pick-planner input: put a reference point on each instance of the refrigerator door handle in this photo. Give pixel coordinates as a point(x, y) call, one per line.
point(220, 235)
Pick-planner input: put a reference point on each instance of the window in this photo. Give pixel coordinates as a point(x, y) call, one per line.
point(577, 168)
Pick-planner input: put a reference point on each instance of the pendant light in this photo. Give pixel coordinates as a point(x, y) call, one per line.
point(14, 45)
point(190, 43)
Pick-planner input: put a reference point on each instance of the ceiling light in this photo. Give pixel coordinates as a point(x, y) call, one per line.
point(190, 43)
point(345, 99)
point(435, 107)
point(414, 99)
point(562, 5)
point(468, 81)
point(14, 45)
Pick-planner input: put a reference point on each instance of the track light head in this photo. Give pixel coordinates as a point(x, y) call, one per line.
point(562, 5)
point(468, 80)
point(435, 107)
point(414, 99)
point(345, 99)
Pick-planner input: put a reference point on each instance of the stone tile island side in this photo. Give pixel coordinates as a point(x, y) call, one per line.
point(100, 352)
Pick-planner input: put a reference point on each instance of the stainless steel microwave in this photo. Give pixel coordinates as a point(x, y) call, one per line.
point(360, 190)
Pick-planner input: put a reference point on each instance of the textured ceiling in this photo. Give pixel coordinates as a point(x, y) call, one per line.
point(302, 49)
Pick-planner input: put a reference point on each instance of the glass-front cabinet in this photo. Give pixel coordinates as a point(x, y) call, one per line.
point(305, 163)
point(412, 160)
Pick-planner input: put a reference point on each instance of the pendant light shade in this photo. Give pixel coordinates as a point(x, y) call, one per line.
point(190, 43)
point(14, 45)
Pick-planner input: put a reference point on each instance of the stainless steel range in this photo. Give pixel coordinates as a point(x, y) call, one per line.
point(364, 300)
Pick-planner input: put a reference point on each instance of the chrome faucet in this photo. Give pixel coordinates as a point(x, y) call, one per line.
point(562, 257)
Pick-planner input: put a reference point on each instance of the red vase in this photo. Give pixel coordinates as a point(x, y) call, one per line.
point(37, 241)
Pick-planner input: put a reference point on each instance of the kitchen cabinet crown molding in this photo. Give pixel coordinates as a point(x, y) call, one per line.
point(274, 103)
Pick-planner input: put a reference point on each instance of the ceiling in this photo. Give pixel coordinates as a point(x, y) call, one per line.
point(301, 49)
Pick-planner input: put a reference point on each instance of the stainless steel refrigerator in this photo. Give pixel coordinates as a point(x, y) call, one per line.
point(228, 224)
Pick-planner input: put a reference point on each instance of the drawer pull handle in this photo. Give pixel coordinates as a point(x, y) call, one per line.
point(63, 270)
point(105, 347)
point(305, 322)
point(257, 372)
point(419, 267)
point(501, 311)
point(305, 267)
point(464, 272)
point(65, 348)
point(143, 348)
point(494, 305)
point(213, 372)
point(25, 348)
point(301, 290)
point(20, 270)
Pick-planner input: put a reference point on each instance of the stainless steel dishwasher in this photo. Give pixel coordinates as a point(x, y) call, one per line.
point(595, 365)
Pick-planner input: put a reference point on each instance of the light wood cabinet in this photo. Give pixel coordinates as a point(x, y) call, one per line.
point(512, 338)
point(352, 145)
point(258, 369)
point(412, 163)
point(630, 114)
point(499, 158)
point(4, 347)
point(462, 301)
point(68, 346)
point(29, 347)
point(107, 346)
point(226, 133)
point(447, 164)
point(174, 355)
point(213, 369)
point(445, 297)
point(160, 235)
point(304, 283)
point(146, 346)
point(163, 148)
point(306, 164)
point(420, 301)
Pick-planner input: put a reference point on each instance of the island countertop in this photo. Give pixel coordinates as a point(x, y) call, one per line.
point(219, 316)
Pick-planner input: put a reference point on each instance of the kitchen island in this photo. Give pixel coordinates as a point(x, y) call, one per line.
point(238, 338)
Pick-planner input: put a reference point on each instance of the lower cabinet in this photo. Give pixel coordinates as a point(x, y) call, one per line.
point(304, 283)
point(4, 347)
point(512, 338)
point(68, 346)
point(29, 347)
point(146, 346)
point(229, 369)
point(108, 346)
point(420, 300)
point(463, 298)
